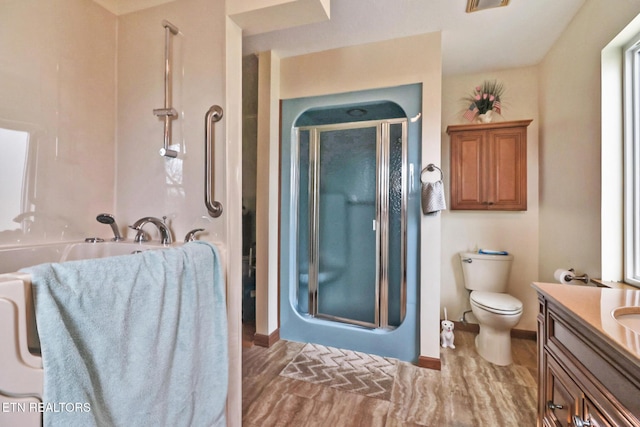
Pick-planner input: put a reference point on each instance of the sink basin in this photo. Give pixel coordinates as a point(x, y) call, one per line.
point(629, 317)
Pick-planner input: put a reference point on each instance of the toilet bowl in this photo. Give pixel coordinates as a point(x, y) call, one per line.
point(497, 312)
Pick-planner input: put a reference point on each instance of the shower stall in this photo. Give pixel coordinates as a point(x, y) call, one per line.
point(351, 211)
point(352, 221)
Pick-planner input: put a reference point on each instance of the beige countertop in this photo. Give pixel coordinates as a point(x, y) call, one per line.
point(594, 307)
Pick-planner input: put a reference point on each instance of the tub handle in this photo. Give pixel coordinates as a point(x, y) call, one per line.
point(191, 235)
point(213, 115)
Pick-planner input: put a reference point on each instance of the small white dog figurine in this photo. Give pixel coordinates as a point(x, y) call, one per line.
point(446, 336)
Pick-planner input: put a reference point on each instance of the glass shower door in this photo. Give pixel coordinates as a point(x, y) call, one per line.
point(351, 222)
point(396, 206)
point(346, 189)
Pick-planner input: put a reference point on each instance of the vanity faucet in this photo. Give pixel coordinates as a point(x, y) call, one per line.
point(165, 234)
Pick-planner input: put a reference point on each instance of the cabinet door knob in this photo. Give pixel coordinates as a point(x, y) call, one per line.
point(553, 406)
point(579, 422)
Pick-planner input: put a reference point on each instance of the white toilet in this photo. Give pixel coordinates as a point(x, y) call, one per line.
point(497, 312)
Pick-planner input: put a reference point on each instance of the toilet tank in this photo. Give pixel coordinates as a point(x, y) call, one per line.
point(488, 273)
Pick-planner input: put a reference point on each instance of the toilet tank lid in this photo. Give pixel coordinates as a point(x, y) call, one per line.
point(497, 301)
point(476, 255)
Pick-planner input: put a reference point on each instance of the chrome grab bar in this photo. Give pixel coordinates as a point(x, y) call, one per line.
point(213, 115)
point(168, 112)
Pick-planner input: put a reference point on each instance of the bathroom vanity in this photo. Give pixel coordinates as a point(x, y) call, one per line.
point(588, 356)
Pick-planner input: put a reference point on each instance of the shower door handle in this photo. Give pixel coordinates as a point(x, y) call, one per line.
point(213, 115)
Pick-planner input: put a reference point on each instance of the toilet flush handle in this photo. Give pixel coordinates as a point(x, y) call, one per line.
point(467, 260)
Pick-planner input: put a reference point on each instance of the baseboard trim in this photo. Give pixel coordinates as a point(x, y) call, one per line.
point(267, 340)
point(515, 333)
point(527, 335)
point(467, 327)
point(429, 363)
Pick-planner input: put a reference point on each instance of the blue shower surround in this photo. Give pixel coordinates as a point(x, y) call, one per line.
point(403, 341)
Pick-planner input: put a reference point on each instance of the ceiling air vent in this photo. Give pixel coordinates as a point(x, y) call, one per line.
point(476, 5)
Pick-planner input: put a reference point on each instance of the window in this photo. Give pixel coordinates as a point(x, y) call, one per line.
point(632, 161)
point(14, 146)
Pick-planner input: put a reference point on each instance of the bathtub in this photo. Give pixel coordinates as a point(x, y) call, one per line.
point(21, 373)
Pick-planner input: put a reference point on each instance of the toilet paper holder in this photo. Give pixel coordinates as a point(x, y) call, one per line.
point(569, 277)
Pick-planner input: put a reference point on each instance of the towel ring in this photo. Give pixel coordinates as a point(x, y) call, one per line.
point(431, 168)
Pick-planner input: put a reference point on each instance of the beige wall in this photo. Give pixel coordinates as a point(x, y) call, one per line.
point(262, 16)
point(515, 232)
point(377, 65)
point(267, 202)
point(571, 149)
point(57, 82)
point(207, 70)
point(570, 140)
point(148, 184)
point(373, 65)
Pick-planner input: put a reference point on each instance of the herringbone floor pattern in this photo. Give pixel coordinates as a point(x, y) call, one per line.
point(352, 371)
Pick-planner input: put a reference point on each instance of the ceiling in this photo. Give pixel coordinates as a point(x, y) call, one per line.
point(517, 35)
point(121, 7)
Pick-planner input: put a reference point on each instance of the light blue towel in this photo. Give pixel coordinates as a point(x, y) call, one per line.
point(134, 340)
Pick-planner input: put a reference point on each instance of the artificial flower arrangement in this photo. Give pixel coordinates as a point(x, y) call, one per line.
point(485, 100)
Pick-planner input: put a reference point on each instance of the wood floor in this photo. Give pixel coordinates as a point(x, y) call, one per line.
point(468, 391)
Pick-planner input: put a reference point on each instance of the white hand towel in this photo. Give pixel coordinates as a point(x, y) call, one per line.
point(433, 198)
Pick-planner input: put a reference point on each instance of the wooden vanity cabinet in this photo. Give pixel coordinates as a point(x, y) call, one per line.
point(489, 166)
point(562, 396)
point(582, 380)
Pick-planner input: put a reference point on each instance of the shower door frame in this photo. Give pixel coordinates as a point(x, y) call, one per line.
point(383, 149)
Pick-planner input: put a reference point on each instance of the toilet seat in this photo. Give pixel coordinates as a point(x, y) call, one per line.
point(495, 302)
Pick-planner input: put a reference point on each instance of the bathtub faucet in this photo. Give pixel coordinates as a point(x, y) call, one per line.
point(165, 234)
point(191, 236)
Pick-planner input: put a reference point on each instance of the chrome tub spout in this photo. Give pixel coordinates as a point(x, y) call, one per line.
point(165, 233)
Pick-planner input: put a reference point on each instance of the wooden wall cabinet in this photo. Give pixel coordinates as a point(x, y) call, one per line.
point(489, 166)
point(582, 380)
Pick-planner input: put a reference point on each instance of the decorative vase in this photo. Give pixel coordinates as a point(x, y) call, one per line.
point(486, 117)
